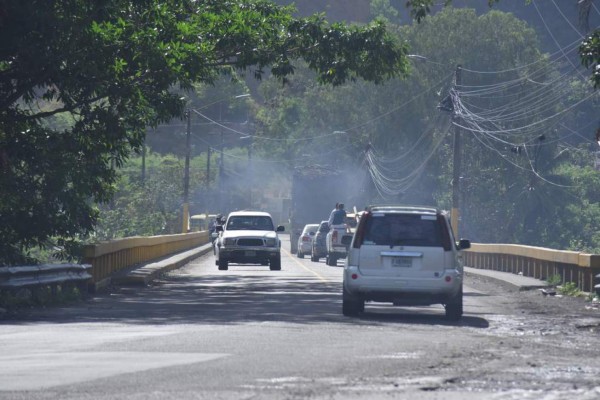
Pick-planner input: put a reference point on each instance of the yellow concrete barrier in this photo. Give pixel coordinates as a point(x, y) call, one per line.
point(109, 257)
point(537, 262)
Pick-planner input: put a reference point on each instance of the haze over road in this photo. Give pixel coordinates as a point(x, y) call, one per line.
point(248, 332)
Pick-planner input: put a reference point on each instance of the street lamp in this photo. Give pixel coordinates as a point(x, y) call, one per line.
point(417, 57)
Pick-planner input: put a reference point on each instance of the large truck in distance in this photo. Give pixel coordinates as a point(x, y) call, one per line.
point(315, 191)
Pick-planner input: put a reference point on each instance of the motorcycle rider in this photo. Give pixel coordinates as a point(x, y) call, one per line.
point(219, 221)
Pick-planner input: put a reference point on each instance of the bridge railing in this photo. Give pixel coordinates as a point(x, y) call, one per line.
point(110, 257)
point(536, 262)
point(541, 263)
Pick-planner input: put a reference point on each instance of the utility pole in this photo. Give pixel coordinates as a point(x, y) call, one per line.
point(250, 173)
point(144, 163)
point(454, 214)
point(186, 175)
point(207, 167)
point(207, 194)
point(221, 173)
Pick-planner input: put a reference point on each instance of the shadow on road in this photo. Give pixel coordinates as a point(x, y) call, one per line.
point(230, 299)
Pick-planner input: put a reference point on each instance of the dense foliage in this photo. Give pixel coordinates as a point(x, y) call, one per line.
point(538, 191)
point(589, 50)
point(81, 80)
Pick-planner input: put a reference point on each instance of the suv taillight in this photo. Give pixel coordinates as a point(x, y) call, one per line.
point(334, 236)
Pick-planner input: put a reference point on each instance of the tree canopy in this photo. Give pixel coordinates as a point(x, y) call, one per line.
point(80, 81)
point(589, 50)
point(524, 168)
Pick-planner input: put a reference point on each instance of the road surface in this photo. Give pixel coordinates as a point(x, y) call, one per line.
point(252, 333)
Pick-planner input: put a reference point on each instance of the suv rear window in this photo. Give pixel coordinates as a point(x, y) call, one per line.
point(403, 230)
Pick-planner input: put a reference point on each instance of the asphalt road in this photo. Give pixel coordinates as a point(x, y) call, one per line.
point(251, 333)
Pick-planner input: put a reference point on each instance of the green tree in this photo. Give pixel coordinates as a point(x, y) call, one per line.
point(507, 196)
point(111, 68)
point(589, 51)
point(148, 207)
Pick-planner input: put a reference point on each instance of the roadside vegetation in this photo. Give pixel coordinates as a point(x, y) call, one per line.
point(102, 156)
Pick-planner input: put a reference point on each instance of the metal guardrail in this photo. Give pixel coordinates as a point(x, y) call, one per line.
point(100, 261)
point(12, 278)
point(536, 262)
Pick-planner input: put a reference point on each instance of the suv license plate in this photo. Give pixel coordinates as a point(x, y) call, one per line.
point(250, 253)
point(403, 262)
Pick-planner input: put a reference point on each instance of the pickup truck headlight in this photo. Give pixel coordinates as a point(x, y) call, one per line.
point(271, 242)
point(229, 242)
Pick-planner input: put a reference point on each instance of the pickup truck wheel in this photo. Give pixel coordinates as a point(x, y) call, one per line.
point(275, 264)
point(454, 308)
point(223, 265)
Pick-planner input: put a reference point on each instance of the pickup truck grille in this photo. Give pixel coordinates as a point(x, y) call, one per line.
point(250, 242)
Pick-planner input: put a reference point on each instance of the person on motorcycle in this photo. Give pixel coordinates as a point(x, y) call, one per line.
point(219, 221)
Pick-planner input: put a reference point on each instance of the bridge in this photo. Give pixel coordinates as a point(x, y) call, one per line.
point(109, 260)
point(111, 257)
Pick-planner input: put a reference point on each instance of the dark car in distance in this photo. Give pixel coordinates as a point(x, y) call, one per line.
point(319, 247)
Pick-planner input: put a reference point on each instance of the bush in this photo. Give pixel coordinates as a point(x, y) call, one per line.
point(569, 289)
point(554, 280)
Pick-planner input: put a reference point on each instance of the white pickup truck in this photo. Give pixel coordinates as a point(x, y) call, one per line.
point(248, 237)
point(336, 248)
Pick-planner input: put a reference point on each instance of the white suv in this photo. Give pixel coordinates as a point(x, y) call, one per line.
point(406, 256)
point(248, 237)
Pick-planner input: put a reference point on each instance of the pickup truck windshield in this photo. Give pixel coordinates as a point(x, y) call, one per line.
point(250, 222)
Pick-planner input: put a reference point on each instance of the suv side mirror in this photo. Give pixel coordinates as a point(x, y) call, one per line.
point(219, 228)
point(280, 228)
point(464, 244)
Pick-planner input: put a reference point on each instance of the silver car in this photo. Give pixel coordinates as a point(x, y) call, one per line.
point(306, 238)
point(406, 256)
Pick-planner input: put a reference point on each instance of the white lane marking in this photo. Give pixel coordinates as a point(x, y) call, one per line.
point(43, 370)
point(321, 277)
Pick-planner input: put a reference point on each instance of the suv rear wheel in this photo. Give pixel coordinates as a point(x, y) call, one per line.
point(223, 265)
point(351, 306)
point(454, 308)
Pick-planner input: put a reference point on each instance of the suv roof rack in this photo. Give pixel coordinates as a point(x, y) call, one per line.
point(405, 208)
